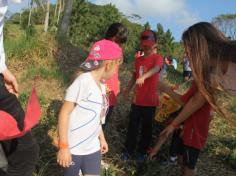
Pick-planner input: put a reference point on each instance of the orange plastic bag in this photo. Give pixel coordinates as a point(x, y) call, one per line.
point(167, 107)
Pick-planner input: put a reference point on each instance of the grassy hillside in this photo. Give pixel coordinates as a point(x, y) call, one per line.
point(38, 60)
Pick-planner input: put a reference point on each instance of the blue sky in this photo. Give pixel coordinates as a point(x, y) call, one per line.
point(176, 15)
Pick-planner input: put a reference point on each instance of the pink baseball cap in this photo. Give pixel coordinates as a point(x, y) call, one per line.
point(100, 51)
point(148, 38)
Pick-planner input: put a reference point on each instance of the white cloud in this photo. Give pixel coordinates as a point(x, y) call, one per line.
point(176, 10)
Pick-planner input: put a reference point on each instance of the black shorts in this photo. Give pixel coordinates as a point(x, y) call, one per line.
point(187, 74)
point(189, 154)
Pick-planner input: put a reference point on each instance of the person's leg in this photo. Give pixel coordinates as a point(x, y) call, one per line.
point(188, 172)
point(146, 129)
point(22, 155)
point(190, 157)
point(91, 164)
point(186, 76)
point(175, 143)
point(133, 129)
point(74, 167)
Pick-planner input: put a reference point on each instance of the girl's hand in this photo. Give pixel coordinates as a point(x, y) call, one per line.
point(104, 146)
point(151, 154)
point(168, 131)
point(64, 157)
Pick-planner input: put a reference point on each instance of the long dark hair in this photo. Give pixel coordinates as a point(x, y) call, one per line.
point(204, 45)
point(117, 32)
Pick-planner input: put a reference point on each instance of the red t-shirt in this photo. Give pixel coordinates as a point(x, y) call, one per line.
point(146, 95)
point(197, 125)
point(113, 88)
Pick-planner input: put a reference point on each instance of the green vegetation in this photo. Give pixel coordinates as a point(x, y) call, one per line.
point(37, 59)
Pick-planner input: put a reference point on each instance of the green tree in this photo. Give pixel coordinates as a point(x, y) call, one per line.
point(227, 24)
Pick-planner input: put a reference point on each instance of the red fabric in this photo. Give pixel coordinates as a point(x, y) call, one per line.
point(146, 95)
point(196, 127)
point(8, 125)
point(113, 88)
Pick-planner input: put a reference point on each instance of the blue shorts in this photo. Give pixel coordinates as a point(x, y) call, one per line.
point(88, 164)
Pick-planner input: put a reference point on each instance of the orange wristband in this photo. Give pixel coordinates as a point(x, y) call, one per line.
point(62, 145)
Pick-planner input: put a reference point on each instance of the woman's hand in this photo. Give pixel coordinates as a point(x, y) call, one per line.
point(64, 157)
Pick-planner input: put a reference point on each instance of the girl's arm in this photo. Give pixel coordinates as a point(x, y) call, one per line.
point(151, 72)
point(194, 104)
point(161, 140)
point(103, 143)
point(64, 156)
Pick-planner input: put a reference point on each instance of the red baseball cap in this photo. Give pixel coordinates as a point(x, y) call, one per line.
point(148, 38)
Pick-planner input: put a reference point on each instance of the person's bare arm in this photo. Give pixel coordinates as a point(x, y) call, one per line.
point(194, 104)
point(64, 156)
point(148, 74)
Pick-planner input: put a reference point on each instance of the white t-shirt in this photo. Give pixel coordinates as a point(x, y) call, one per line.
point(85, 121)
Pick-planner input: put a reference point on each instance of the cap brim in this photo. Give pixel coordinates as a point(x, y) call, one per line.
point(147, 43)
point(89, 65)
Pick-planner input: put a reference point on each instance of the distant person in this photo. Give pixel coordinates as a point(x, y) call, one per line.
point(192, 139)
point(21, 153)
point(145, 78)
point(117, 33)
point(172, 62)
point(164, 69)
point(187, 71)
point(81, 138)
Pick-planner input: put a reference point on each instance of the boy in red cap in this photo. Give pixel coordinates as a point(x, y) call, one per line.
point(145, 78)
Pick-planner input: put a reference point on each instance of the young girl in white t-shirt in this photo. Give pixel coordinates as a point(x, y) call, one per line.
point(81, 139)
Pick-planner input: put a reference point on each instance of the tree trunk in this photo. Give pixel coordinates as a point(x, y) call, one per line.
point(30, 13)
point(65, 19)
point(55, 10)
point(46, 22)
point(59, 11)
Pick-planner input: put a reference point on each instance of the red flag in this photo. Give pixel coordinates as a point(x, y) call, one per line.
point(8, 125)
